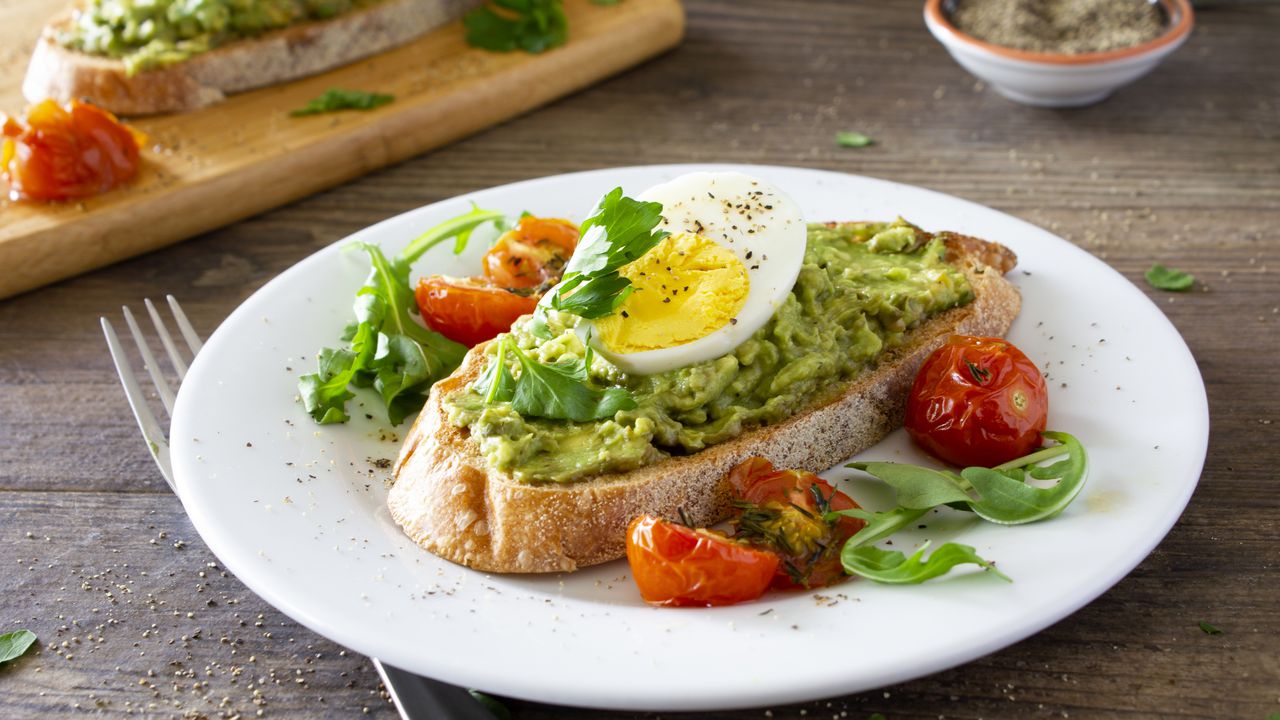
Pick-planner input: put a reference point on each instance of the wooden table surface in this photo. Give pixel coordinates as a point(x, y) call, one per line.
point(136, 617)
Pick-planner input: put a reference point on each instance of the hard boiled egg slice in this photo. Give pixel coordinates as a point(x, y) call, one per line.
point(735, 250)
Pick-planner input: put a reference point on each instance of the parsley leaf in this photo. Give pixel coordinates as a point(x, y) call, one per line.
point(14, 644)
point(852, 139)
point(559, 391)
point(533, 26)
point(1209, 629)
point(892, 567)
point(387, 348)
point(618, 232)
point(334, 100)
point(1163, 278)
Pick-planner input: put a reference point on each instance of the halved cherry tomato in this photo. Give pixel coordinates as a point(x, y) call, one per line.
point(977, 401)
point(468, 310)
point(60, 153)
point(784, 511)
point(677, 565)
point(531, 254)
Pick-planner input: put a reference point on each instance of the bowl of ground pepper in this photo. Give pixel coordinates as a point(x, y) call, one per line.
point(1059, 53)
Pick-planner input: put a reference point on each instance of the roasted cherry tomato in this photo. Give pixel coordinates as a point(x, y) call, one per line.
point(978, 401)
point(532, 254)
point(677, 565)
point(784, 511)
point(60, 153)
point(468, 310)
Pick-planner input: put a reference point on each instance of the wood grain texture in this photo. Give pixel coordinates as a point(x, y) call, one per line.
point(246, 155)
point(1182, 167)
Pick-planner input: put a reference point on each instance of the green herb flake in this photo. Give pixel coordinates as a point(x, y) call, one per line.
point(334, 100)
point(492, 704)
point(1163, 278)
point(1209, 629)
point(850, 139)
point(14, 644)
point(533, 26)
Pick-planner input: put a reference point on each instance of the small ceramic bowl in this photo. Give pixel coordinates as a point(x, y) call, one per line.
point(1057, 80)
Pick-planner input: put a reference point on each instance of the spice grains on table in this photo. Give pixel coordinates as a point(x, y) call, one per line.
point(137, 618)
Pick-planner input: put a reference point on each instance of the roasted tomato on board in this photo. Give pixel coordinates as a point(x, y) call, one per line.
point(64, 153)
point(524, 262)
point(785, 511)
point(677, 565)
point(977, 401)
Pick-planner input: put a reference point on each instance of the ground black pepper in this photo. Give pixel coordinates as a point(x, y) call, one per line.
point(1060, 26)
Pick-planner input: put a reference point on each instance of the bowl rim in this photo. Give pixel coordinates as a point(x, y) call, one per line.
point(1178, 9)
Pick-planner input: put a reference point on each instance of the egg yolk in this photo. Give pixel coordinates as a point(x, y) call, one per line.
point(686, 287)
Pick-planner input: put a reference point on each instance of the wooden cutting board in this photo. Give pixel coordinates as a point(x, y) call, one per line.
point(246, 155)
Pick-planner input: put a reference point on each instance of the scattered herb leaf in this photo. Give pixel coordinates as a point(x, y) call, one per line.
point(891, 566)
point(492, 704)
point(533, 26)
point(980, 375)
point(1209, 629)
point(559, 391)
point(334, 100)
point(14, 644)
point(1163, 278)
point(618, 232)
point(387, 348)
point(852, 139)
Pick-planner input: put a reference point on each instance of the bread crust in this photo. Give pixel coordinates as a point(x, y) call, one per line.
point(452, 504)
point(206, 78)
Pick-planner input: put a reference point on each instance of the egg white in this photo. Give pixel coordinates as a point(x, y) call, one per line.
point(759, 223)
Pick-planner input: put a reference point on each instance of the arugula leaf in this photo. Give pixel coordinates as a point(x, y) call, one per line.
point(879, 525)
point(1209, 629)
point(560, 391)
point(497, 384)
point(14, 644)
point(891, 566)
point(618, 232)
point(1163, 278)
point(852, 139)
point(334, 100)
point(919, 488)
point(1007, 501)
point(389, 350)
point(506, 25)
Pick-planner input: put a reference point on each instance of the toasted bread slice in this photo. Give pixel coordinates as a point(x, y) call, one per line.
point(448, 500)
point(207, 78)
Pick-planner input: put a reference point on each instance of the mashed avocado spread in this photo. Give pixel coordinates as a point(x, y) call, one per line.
point(149, 33)
point(861, 288)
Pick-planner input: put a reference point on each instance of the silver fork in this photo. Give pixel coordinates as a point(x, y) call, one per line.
point(415, 697)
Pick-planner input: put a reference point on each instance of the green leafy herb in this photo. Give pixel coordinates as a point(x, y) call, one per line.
point(1163, 278)
point(879, 525)
point(1004, 497)
point(1209, 629)
point(891, 566)
point(618, 232)
point(334, 100)
point(852, 139)
point(387, 348)
point(506, 25)
point(980, 375)
point(492, 704)
point(14, 644)
point(559, 391)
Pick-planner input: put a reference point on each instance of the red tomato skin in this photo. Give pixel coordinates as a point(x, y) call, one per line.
point(678, 566)
point(64, 153)
point(531, 254)
point(982, 415)
point(469, 311)
point(756, 481)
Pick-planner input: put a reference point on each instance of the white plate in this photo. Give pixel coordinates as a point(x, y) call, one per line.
point(297, 511)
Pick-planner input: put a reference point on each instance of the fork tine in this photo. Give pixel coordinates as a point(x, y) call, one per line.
point(166, 339)
point(151, 429)
point(149, 361)
point(188, 332)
